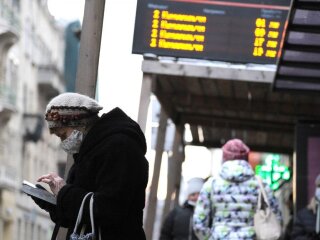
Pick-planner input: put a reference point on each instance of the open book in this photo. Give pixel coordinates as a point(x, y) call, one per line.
point(38, 191)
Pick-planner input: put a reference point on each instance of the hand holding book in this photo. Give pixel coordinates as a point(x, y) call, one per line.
point(38, 192)
point(54, 181)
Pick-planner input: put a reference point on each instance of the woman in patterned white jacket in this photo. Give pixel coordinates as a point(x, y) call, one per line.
point(227, 202)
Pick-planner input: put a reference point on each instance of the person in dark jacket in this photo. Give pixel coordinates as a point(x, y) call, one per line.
point(178, 224)
point(306, 225)
point(109, 161)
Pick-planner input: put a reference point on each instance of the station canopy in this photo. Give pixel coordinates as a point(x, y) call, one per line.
point(214, 66)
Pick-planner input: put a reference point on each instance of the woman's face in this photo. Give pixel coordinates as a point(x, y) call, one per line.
point(62, 132)
point(193, 197)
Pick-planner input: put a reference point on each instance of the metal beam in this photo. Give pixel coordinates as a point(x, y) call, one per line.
point(212, 120)
point(195, 103)
point(253, 147)
point(209, 70)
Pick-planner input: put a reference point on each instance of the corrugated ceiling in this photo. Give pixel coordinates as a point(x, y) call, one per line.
point(299, 65)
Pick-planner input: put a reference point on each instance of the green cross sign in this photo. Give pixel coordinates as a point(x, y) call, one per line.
point(273, 171)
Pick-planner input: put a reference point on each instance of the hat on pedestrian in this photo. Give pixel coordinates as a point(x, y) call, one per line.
point(235, 149)
point(71, 110)
point(194, 185)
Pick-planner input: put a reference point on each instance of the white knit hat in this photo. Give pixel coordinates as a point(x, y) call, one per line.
point(194, 185)
point(71, 109)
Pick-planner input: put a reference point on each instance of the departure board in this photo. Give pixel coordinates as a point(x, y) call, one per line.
point(240, 31)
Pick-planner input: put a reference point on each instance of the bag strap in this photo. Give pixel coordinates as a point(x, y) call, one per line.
point(91, 215)
point(81, 212)
point(262, 193)
point(92, 218)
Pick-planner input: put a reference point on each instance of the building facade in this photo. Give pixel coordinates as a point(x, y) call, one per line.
point(31, 73)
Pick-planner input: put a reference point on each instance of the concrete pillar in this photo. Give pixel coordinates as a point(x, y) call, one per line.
point(144, 101)
point(152, 198)
point(174, 170)
point(90, 47)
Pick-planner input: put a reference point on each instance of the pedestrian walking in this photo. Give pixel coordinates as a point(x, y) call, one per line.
point(228, 201)
point(109, 161)
point(306, 225)
point(178, 224)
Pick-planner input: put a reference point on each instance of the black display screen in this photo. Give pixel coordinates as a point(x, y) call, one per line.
point(244, 31)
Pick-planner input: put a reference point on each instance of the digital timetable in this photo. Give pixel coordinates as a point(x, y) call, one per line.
point(241, 31)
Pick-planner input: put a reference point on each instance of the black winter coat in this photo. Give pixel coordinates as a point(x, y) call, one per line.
point(111, 164)
point(178, 224)
point(304, 226)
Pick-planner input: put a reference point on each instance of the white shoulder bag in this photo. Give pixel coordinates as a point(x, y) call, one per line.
point(81, 236)
point(266, 224)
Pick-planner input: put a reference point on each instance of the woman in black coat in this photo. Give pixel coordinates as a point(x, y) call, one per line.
point(108, 161)
point(305, 225)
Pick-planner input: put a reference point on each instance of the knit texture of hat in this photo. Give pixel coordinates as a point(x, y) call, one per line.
point(235, 149)
point(71, 109)
point(194, 185)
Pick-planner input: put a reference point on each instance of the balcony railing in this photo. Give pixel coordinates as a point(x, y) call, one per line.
point(50, 80)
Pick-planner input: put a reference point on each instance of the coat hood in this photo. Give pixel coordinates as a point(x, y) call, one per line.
point(114, 122)
point(236, 171)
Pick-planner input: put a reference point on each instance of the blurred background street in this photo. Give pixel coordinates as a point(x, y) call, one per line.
point(193, 74)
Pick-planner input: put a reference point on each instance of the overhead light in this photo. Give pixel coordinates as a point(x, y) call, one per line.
point(187, 133)
point(200, 134)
